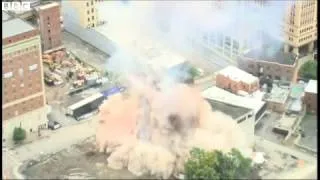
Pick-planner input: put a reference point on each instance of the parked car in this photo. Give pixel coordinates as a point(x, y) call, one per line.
point(53, 124)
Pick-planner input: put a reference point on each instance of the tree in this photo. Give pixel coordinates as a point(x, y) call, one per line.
point(308, 70)
point(193, 72)
point(19, 134)
point(217, 165)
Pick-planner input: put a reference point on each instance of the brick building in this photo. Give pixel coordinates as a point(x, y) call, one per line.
point(22, 78)
point(310, 96)
point(236, 80)
point(270, 62)
point(49, 22)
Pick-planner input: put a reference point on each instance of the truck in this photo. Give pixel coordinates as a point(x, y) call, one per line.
point(85, 106)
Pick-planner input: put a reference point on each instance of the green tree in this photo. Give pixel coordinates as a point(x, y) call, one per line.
point(217, 165)
point(193, 72)
point(308, 70)
point(19, 134)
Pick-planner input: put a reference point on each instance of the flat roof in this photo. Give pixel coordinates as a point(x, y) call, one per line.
point(221, 95)
point(49, 5)
point(237, 74)
point(311, 87)
point(271, 54)
point(286, 122)
point(277, 94)
point(14, 27)
point(234, 111)
point(5, 16)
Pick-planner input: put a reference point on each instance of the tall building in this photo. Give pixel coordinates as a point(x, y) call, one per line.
point(301, 26)
point(23, 102)
point(49, 21)
point(83, 12)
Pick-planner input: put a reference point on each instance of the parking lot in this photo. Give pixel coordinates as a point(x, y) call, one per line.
point(264, 128)
point(309, 127)
point(85, 51)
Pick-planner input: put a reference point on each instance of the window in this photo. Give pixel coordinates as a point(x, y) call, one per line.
point(21, 72)
point(88, 4)
point(49, 31)
point(91, 2)
point(92, 18)
point(88, 12)
point(88, 19)
point(8, 75)
point(92, 10)
point(33, 67)
point(48, 18)
point(49, 38)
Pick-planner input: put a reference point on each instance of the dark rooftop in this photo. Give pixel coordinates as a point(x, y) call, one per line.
point(271, 54)
point(234, 111)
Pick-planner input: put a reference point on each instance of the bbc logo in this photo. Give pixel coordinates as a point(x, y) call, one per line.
point(16, 6)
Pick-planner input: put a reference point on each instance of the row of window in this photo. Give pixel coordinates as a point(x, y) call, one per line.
point(307, 4)
point(23, 107)
point(88, 4)
point(306, 29)
point(305, 38)
point(33, 67)
point(92, 11)
point(21, 51)
point(92, 18)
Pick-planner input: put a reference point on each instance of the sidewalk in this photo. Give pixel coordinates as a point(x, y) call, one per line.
point(58, 140)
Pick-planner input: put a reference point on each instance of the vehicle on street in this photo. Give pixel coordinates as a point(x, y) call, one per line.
point(53, 124)
point(85, 106)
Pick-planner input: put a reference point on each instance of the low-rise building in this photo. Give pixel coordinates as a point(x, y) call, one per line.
point(246, 114)
point(236, 80)
point(310, 96)
point(277, 99)
point(268, 61)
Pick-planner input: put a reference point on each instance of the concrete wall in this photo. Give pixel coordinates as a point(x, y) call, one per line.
point(248, 127)
point(91, 36)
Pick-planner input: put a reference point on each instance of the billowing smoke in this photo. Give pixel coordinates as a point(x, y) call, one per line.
point(151, 129)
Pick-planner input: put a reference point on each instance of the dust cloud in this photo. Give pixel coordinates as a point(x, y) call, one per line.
point(151, 130)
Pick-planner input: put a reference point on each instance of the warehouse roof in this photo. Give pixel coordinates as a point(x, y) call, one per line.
point(312, 87)
point(234, 111)
point(5, 16)
point(277, 95)
point(271, 54)
point(14, 27)
point(218, 94)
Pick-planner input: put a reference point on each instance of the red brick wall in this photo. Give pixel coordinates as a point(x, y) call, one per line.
point(311, 102)
point(50, 28)
point(22, 107)
point(274, 70)
point(20, 37)
point(226, 83)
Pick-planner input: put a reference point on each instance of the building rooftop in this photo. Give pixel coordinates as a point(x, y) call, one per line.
point(277, 95)
point(218, 94)
point(286, 122)
point(14, 27)
point(46, 6)
point(312, 87)
point(271, 54)
point(234, 111)
point(5, 16)
point(237, 74)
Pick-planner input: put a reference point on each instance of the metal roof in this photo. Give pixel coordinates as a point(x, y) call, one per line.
point(14, 27)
